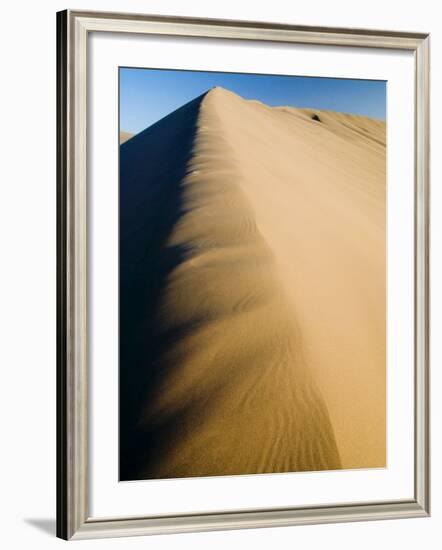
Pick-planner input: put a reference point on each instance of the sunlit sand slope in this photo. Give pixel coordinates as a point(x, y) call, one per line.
point(124, 136)
point(252, 299)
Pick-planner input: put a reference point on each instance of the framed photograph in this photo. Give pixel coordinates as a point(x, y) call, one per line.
point(242, 274)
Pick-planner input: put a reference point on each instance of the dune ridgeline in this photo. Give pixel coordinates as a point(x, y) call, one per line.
point(124, 136)
point(252, 291)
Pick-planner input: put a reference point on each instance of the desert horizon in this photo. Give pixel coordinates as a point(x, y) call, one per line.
point(252, 291)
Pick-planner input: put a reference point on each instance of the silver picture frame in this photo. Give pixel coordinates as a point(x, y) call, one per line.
point(73, 518)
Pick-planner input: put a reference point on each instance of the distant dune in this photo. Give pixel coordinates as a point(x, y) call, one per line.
point(252, 291)
point(124, 136)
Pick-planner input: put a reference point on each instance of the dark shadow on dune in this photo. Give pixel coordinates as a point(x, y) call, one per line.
point(153, 165)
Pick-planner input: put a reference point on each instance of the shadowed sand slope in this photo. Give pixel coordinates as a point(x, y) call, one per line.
point(252, 291)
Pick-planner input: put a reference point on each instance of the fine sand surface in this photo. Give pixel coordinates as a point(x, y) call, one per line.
point(252, 291)
point(124, 136)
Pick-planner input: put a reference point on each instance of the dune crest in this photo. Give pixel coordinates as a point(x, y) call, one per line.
point(234, 247)
point(125, 136)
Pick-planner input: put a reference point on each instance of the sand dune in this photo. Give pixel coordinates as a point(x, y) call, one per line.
point(252, 299)
point(124, 136)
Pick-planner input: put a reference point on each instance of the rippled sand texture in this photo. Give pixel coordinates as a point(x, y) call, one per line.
point(252, 292)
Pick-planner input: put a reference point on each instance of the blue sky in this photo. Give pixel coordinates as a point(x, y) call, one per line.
point(147, 95)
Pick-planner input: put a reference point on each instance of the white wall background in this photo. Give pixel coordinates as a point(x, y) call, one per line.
point(27, 274)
